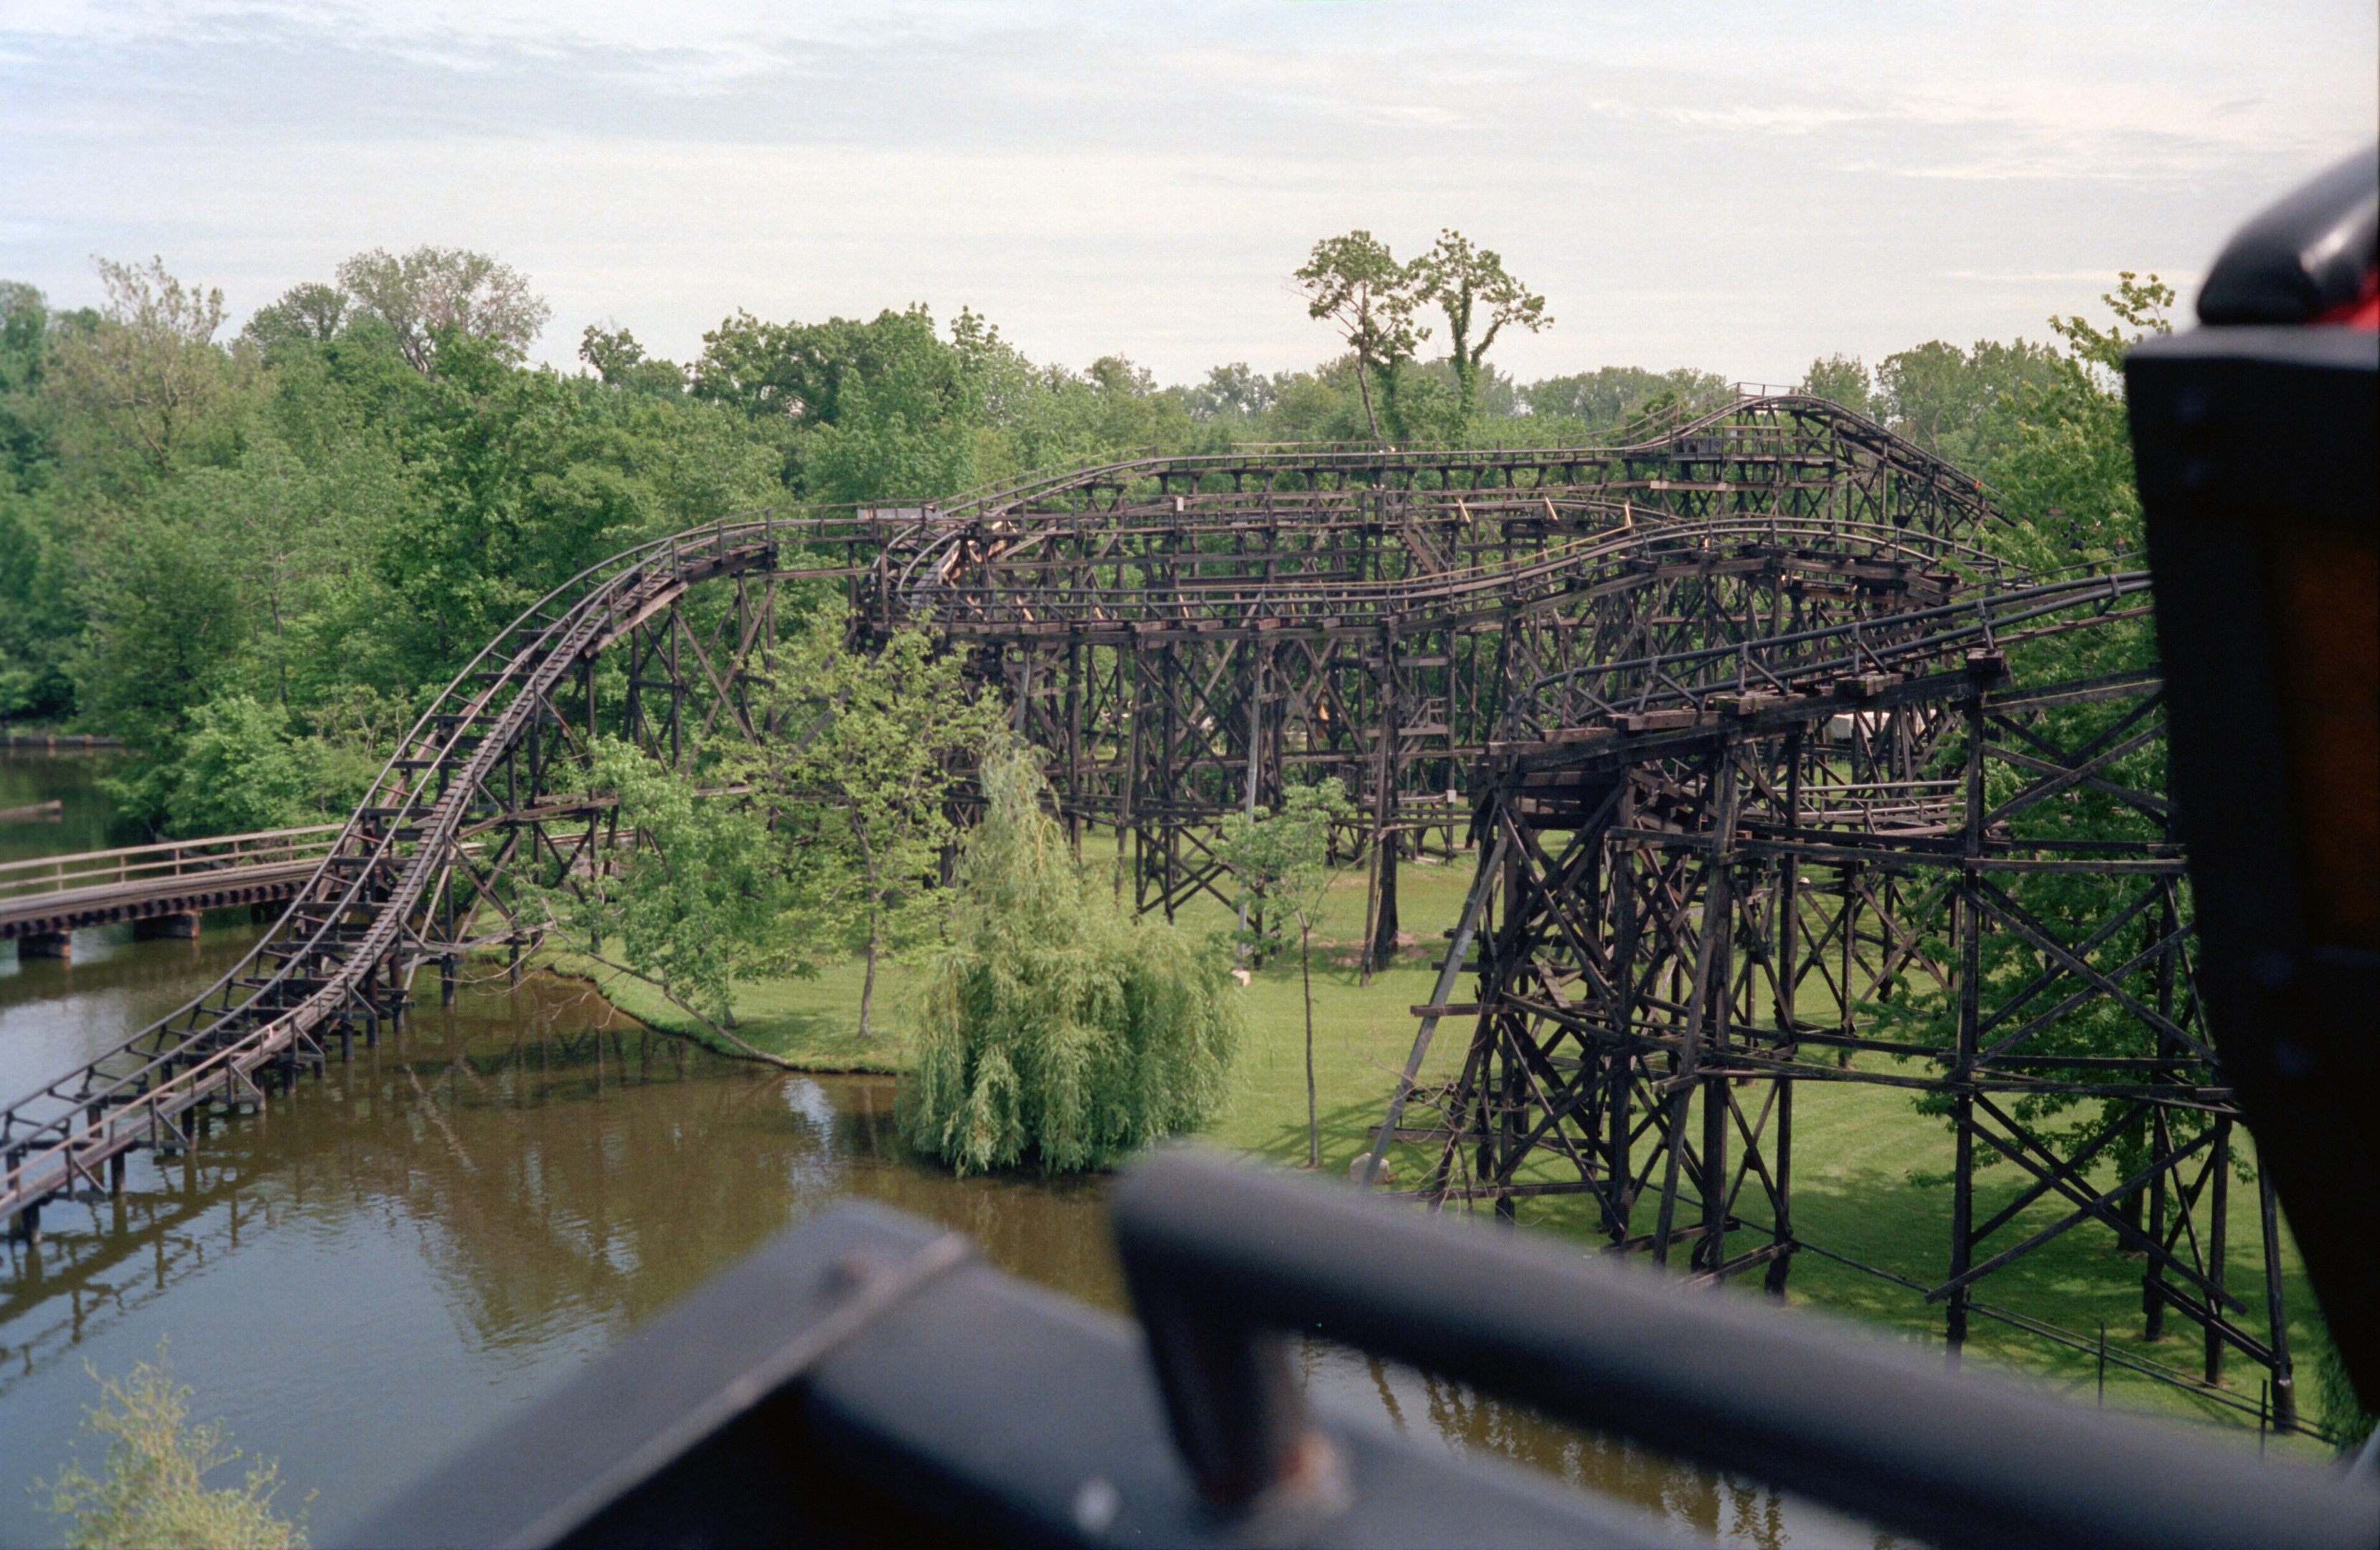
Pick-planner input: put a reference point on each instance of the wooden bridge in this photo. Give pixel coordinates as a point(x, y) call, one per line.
point(1747, 716)
point(160, 888)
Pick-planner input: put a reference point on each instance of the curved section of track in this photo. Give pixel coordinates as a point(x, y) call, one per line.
point(358, 924)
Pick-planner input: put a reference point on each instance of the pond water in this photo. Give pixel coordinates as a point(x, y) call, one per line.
point(86, 821)
point(388, 1260)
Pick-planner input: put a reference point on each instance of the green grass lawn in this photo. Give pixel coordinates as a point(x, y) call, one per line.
point(1859, 1152)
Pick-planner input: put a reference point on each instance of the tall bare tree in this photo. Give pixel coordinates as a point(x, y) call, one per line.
point(1358, 284)
point(1470, 285)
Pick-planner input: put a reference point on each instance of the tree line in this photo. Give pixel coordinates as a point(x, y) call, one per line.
point(251, 554)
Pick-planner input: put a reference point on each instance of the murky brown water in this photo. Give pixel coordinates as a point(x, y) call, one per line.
point(386, 1262)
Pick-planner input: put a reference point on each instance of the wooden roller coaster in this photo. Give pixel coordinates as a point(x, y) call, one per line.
point(1729, 710)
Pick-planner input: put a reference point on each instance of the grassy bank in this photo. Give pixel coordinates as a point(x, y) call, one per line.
point(1860, 1155)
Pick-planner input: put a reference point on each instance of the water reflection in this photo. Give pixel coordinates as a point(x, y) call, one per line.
point(389, 1260)
point(409, 1247)
point(56, 1013)
point(86, 820)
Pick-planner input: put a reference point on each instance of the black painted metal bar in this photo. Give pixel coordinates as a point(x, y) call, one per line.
point(865, 1380)
point(1239, 1255)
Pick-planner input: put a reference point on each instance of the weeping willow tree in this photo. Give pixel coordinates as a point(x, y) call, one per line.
point(1056, 1027)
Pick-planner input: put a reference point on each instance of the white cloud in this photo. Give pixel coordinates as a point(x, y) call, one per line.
point(1741, 190)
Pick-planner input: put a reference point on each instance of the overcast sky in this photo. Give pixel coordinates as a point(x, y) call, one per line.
point(1738, 187)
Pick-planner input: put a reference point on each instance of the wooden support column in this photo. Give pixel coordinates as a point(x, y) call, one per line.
point(1710, 953)
point(1719, 1003)
point(1967, 928)
point(1135, 717)
point(1248, 795)
point(1785, 982)
point(46, 944)
point(446, 933)
point(2284, 1382)
point(2161, 1147)
point(182, 925)
point(1380, 912)
point(1618, 1165)
point(2218, 1192)
point(1077, 776)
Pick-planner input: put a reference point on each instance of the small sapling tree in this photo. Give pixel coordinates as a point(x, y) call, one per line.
point(862, 787)
point(1055, 1027)
point(823, 837)
point(696, 902)
point(1282, 861)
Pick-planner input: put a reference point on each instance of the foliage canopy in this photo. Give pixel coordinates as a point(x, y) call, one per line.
point(1056, 1027)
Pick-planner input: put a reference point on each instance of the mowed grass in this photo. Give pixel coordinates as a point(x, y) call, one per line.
point(1860, 1153)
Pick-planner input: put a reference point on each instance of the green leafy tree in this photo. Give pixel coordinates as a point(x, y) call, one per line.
point(825, 837)
point(2065, 461)
point(40, 615)
point(620, 361)
point(1471, 288)
point(697, 903)
point(1000, 379)
point(889, 444)
point(1359, 286)
point(862, 792)
point(524, 478)
point(140, 391)
point(165, 624)
point(307, 315)
point(1056, 1026)
point(1841, 379)
point(241, 767)
point(432, 293)
point(1282, 861)
point(883, 410)
point(25, 451)
point(1681, 395)
point(154, 1490)
point(1601, 400)
point(2068, 443)
point(1232, 393)
point(1963, 406)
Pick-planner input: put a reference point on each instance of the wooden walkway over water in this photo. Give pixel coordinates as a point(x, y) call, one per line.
point(162, 887)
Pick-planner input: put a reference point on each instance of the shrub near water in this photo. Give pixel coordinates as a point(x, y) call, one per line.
point(1056, 1027)
point(154, 1493)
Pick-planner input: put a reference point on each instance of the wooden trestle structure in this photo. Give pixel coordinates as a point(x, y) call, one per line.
point(1725, 708)
point(1861, 854)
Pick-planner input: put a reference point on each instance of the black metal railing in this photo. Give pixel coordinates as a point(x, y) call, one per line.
point(866, 1380)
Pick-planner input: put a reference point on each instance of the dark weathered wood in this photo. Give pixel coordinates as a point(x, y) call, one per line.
point(1712, 696)
point(1662, 954)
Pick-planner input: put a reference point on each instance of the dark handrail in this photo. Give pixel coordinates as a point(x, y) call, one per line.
point(1222, 1258)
